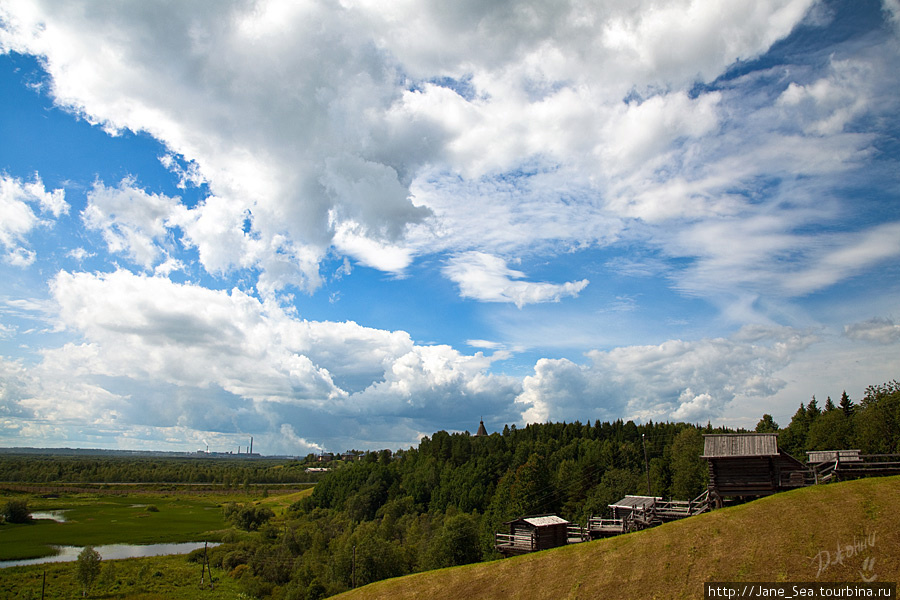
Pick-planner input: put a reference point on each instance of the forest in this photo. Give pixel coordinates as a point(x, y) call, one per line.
point(439, 504)
point(48, 468)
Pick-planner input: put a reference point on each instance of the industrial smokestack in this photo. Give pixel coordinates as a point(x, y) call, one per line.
point(251, 445)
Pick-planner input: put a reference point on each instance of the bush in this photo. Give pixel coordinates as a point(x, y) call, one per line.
point(247, 517)
point(16, 511)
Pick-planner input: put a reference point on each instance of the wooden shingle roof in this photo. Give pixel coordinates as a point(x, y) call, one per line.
point(636, 502)
point(545, 521)
point(729, 445)
point(540, 521)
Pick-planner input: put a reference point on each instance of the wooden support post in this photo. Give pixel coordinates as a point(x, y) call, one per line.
point(646, 464)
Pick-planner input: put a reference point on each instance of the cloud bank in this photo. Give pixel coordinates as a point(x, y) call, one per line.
point(529, 155)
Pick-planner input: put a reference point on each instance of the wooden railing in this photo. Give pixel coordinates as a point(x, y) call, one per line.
point(576, 534)
point(518, 541)
point(607, 526)
point(860, 465)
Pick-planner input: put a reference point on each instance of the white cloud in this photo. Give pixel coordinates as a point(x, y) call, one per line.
point(132, 222)
point(160, 354)
point(80, 254)
point(877, 330)
point(329, 123)
point(674, 380)
point(849, 256)
point(19, 218)
point(489, 279)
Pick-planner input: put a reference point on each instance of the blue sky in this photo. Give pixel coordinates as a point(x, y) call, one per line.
point(349, 225)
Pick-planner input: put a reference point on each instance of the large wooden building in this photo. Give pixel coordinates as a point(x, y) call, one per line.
point(749, 464)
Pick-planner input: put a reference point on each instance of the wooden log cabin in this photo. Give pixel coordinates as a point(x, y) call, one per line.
point(530, 534)
point(749, 464)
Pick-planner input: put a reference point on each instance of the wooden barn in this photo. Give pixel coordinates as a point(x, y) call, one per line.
point(530, 534)
point(749, 464)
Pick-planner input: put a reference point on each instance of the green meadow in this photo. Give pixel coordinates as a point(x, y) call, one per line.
point(154, 578)
point(100, 519)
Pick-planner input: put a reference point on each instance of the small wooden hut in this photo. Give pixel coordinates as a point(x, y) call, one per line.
point(749, 464)
point(530, 534)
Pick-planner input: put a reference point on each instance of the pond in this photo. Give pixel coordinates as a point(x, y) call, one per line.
point(49, 515)
point(110, 552)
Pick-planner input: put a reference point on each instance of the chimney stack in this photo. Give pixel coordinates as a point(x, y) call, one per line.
point(251, 445)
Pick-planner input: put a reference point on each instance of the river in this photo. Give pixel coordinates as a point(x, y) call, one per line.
point(110, 552)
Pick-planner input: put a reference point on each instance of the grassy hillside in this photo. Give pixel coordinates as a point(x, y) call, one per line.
point(792, 536)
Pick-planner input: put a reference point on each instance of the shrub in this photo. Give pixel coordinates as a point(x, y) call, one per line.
point(16, 511)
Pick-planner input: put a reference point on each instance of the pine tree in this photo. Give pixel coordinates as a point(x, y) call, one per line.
point(846, 404)
point(812, 409)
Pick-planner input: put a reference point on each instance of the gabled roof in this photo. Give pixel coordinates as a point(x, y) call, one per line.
point(540, 521)
point(544, 521)
point(729, 445)
point(635, 502)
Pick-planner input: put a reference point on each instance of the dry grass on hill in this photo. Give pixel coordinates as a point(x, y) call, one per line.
point(792, 536)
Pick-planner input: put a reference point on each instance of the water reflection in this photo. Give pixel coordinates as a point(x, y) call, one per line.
point(110, 552)
point(49, 515)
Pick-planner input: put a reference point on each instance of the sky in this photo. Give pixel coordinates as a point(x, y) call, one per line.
point(350, 224)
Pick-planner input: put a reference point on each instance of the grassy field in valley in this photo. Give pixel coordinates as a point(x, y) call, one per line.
point(157, 578)
point(793, 536)
point(97, 520)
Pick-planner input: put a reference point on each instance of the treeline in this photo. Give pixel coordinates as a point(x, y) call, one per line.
point(118, 469)
point(440, 504)
point(871, 426)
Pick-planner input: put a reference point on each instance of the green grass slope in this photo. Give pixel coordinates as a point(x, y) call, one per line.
point(841, 532)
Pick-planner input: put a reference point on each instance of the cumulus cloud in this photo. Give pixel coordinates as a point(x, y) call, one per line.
point(18, 200)
point(488, 278)
point(674, 380)
point(225, 361)
point(455, 134)
point(132, 222)
point(877, 330)
point(365, 147)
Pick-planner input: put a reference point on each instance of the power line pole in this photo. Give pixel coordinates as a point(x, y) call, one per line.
point(646, 464)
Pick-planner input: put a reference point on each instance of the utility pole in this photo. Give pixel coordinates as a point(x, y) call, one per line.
point(646, 464)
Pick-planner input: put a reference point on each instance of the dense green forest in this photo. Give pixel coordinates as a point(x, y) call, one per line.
point(439, 504)
point(31, 468)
